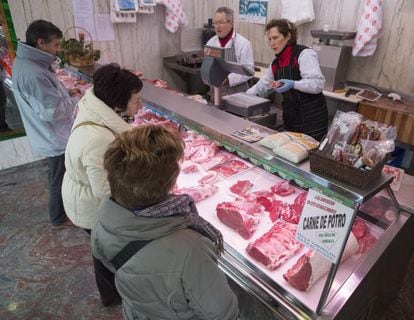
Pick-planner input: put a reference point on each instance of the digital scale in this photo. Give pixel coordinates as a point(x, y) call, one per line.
point(215, 69)
point(125, 11)
point(333, 58)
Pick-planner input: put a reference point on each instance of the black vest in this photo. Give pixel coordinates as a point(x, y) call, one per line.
point(302, 112)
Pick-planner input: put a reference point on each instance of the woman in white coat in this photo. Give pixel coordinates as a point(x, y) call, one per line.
point(116, 92)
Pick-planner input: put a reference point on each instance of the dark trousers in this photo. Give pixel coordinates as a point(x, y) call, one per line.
point(56, 167)
point(105, 281)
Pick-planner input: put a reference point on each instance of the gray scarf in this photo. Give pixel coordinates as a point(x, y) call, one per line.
point(184, 205)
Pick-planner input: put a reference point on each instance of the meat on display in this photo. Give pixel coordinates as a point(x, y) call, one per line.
point(311, 266)
point(276, 246)
point(242, 216)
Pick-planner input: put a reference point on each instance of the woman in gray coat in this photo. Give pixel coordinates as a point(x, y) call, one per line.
point(175, 274)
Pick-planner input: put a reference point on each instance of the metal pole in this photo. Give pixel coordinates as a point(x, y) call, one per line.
point(217, 97)
point(332, 271)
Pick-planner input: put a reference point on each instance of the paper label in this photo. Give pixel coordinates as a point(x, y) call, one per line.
point(324, 224)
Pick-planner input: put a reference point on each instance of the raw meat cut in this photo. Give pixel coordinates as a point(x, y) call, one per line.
point(219, 158)
point(291, 213)
point(299, 202)
point(361, 232)
point(189, 167)
point(204, 152)
point(265, 198)
point(277, 209)
point(286, 212)
point(242, 216)
point(209, 178)
point(366, 243)
point(359, 228)
point(283, 188)
point(311, 266)
point(200, 149)
point(276, 246)
point(241, 187)
point(198, 193)
point(231, 167)
point(376, 206)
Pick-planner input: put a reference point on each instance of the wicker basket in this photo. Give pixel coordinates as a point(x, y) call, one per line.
point(86, 60)
point(82, 61)
point(326, 166)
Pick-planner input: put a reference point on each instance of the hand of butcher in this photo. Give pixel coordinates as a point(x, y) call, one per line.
point(286, 85)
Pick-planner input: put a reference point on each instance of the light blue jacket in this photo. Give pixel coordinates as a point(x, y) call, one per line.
point(44, 103)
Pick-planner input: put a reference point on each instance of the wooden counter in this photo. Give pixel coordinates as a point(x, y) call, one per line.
point(396, 113)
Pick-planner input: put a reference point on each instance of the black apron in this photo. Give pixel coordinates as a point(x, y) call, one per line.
point(302, 112)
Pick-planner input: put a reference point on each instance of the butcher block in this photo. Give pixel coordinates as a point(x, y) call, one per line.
point(396, 113)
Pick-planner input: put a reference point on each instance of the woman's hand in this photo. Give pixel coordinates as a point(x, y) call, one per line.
point(284, 85)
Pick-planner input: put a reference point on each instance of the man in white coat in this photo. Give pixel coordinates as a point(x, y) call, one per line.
point(238, 49)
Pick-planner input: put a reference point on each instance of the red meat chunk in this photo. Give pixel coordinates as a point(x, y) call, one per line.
point(241, 216)
point(241, 187)
point(276, 246)
point(282, 188)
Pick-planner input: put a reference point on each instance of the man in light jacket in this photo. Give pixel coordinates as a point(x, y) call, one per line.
point(238, 49)
point(46, 106)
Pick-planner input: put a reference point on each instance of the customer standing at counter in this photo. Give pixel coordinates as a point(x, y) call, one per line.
point(295, 73)
point(173, 271)
point(238, 49)
point(46, 106)
point(115, 92)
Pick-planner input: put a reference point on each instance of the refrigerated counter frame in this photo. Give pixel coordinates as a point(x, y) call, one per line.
point(362, 294)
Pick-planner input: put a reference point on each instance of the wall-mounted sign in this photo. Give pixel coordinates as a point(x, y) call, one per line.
point(253, 11)
point(324, 224)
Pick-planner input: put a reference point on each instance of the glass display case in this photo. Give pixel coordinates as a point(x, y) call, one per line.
point(373, 249)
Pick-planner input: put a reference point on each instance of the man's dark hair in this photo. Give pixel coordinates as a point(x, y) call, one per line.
point(114, 86)
point(41, 29)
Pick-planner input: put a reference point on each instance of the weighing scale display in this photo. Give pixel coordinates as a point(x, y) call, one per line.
point(126, 5)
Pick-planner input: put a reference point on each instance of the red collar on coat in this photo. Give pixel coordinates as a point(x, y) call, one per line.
point(226, 39)
point(283, 59)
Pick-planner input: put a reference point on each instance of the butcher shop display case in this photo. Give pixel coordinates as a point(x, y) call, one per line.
point(346, 264)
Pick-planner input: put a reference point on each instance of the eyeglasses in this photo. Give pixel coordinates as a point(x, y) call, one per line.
point(220, 23)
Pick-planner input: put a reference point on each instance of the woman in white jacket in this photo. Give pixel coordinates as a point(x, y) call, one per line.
point(115, 92)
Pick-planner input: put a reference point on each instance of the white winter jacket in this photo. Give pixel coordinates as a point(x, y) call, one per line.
point(85, 182)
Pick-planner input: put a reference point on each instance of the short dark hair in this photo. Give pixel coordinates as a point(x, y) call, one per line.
point(114, 86)
point(41, 29)
point(284, 27)
point(143, 165)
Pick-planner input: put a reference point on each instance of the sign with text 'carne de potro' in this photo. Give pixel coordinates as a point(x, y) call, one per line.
point(323, 225)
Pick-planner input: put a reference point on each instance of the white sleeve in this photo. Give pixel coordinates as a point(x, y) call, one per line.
point(244, 57)
point(312, 80)
point(262, 88)
point(213, 42)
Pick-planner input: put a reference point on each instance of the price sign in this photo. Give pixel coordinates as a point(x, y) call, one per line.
point(324, 224)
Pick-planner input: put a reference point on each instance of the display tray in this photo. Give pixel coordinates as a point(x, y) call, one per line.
point(263, 180)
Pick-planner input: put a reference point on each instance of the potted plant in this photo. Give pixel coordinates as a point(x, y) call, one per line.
point(79, 53)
